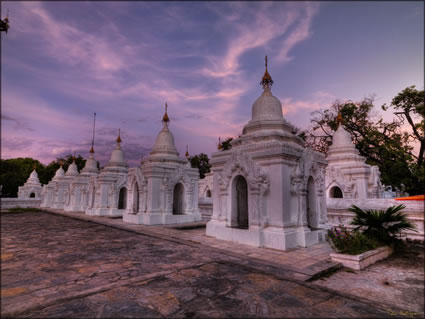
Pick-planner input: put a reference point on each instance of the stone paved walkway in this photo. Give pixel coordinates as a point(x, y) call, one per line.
point(304, 263)
point(54, 266)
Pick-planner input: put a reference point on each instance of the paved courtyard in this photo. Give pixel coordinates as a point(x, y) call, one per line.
point(55, 266)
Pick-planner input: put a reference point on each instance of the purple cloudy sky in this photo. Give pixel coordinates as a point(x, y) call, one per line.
point(62, 61)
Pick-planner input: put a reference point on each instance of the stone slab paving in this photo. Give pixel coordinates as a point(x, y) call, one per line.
point(398, 279)
point(304, 263)
point(54, 266)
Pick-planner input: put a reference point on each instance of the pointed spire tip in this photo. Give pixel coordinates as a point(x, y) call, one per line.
point(119, 136)
point(267, 80)
point(165, 118)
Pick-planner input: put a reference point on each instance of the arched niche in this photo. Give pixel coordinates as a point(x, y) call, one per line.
point(240, 202)
point(178, 199)
point(122, 199)
point(136, 198)
point(311, 197)
point(335, 192)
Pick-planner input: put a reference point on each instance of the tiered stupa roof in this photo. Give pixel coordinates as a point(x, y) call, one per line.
point(117, 156)
point(164, 145)
point(91, 164)
point(72, 169)
point(33, 179)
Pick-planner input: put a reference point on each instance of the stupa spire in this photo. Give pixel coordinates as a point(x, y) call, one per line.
point(267, 80)
point(219, 143)
point(165, 118)
point(92, 141)
point(339, 118)
point(187, 152)
point(119, 136)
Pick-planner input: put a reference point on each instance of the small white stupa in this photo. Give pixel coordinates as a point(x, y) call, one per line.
point(79, 186)
point(108, 191)
point(268, 189)
point(347, 174)
point(32, 188)
point(62, 189)
point(49, 194)
point(164, 190)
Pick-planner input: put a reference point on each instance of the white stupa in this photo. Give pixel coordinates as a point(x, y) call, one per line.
point(50, 191)
point(164, 190)
point(79, 186)
point(268, 189)
point(32, 188)
point(347, 174)
point(62, 189)
point(108, 191)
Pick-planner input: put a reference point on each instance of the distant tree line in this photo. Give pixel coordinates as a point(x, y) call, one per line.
point(15, 172)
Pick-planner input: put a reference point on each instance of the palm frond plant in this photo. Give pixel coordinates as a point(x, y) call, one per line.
point(384, 226)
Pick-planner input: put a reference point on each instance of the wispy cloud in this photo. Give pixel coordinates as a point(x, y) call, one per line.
point(125, 67)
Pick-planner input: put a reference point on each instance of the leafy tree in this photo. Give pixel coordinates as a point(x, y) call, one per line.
point(15, 172)
point(410, 103)
point(383, 144)
point(226, 145)
point(202, 162)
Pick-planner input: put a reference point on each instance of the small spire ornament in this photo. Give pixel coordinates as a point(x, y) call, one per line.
point(219, 147)
point(92, 141)
point(339, 117)
point(119, 136)
point(267, 80)
point(165, 118)
point(187, 152)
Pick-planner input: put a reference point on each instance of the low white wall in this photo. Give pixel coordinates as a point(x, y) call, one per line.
point(338, 212)
point(6, 203)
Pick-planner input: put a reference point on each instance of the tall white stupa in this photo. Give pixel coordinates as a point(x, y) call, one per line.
point(108, 191)
point(164, 190)
point(268, 189)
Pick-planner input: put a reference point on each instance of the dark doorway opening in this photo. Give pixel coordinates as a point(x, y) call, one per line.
point(178, 200)
point(241, 193)
point(122, 199)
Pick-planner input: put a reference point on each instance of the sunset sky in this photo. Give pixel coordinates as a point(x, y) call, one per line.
point(62, 61)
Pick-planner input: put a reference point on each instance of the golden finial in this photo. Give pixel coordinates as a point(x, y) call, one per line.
point(187, 152)
point(219, 143)
point(165, 118)
point(119, 136)
point(92, 141)
point(339, 118)
point(34, 166)
point(266, 81)
point(73, 157)
point(61, 162)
